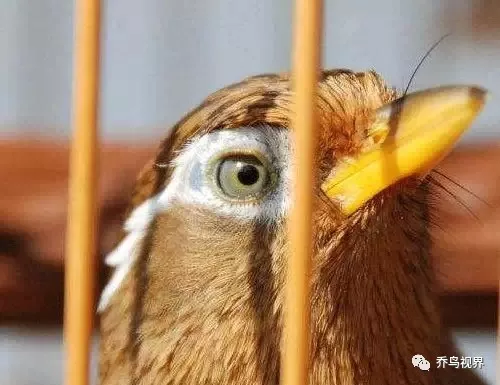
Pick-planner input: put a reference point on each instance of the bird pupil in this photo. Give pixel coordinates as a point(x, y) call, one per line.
point(248, 175)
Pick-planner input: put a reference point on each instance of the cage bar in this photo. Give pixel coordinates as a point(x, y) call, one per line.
point(80, 261)
point(305, 72)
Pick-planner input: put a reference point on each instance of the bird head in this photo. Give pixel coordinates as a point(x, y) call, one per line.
point(197, 292)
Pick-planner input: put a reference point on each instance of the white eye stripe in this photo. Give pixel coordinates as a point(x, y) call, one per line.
point(125, 254)
point(122, 252)
point(142, 216)
point(114, 283)
point(189, 185)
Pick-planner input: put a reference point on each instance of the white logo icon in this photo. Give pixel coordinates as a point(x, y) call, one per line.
point(420, 361)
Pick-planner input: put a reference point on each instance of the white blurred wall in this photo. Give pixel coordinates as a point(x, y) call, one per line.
point(162, 57)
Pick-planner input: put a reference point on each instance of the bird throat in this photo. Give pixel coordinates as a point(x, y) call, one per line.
point(374, 305)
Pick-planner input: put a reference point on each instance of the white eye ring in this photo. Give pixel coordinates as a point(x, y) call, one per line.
point(194, 178)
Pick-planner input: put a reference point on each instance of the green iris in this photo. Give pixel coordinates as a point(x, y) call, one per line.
point(243, 177)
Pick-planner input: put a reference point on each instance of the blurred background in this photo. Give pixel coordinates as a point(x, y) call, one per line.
point(160, 58)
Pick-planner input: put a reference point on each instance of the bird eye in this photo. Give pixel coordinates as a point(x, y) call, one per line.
point(243, 177)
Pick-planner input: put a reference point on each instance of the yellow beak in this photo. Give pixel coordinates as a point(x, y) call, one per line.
point(409, 137)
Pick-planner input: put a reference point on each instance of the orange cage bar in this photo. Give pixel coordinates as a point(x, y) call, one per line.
point(306, 67)
point(82, 213)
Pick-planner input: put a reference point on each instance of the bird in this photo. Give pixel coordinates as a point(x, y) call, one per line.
point(197, 290)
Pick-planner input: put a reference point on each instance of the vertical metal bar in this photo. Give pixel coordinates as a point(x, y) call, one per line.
point(305, 73)
point(82, 214)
